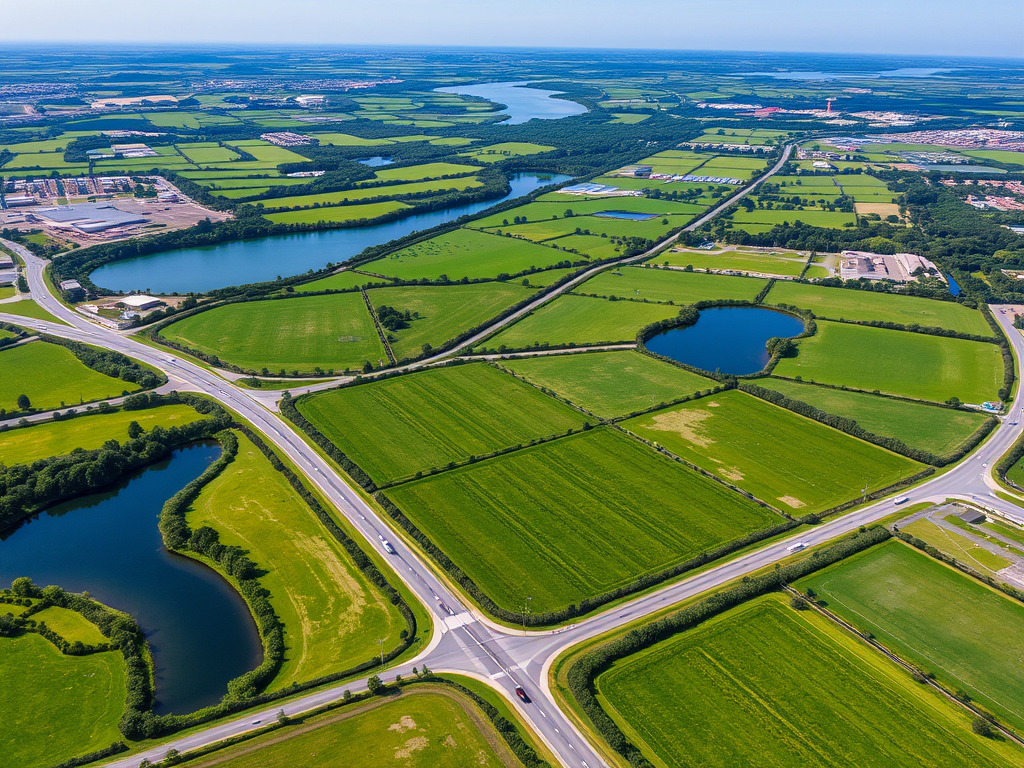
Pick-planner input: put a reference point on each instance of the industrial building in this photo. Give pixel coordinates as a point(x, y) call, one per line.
point(89, 217)
point(73, 289)
point(898, 268)
point(139, 302)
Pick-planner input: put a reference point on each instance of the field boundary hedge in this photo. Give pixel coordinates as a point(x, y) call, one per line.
point(585, 669)
point(587, 605)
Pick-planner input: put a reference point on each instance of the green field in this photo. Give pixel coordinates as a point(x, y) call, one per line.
point(332, 616)
point(580, 320)
point(965, 633)
point(810, 217)
point(341, 281)
point(844, 304)
point(51, 376)
point(494, 153)
point(899, 363)
point(336, 214)
point(25, 445)
point(444, 311)
point(70, 625)
point(28, 308)
point(610, 384)
point(651, 229)
point(333, 332)
point(43, 687)
point(425, 171)
point(398, 426)
point(424, 728)
point(790, 462)
point(465, 253)
point(548, 209)
point(391, 190)
point(938, 430)
point(666, 285)
point(763, 685)
point(739, 261)
point(514, 523)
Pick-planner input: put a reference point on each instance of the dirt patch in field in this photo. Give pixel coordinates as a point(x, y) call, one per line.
point(882, 209)
point(685, 423)
point(403, 725)
point(792, 501)
point(414, 744)
point(450, 742)
point(731, 473)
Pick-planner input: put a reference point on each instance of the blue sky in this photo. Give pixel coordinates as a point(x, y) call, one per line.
point(930, 27)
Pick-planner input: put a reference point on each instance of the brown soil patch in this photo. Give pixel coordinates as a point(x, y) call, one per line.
point(403, 725)
point(882, 209)
point(730, 473)
point(414, 744)
point(686, 423)
point(792, 501)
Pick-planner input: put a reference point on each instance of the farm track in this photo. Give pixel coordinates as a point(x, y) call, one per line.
point(464, 641)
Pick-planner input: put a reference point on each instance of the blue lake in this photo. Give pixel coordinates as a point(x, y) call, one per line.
point(195, 270)
point(727, 339)
point(628, 215)
point(376, 161)
point(521, 104)
point(199, 629)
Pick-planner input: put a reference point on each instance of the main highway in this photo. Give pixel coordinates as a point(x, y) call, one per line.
point(464, 641)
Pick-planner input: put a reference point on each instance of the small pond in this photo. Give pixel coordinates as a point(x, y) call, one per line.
point(628, 215)
point(197, 270)
point(376, 161)
point(727, 339)
point(199, 629)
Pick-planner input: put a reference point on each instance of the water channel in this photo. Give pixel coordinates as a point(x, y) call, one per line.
point(199, 629)
point(727, 339)
point(196, 270)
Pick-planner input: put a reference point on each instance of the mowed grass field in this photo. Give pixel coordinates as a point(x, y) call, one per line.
point(53, 706)
point(334, 331)
point(790, 462)
point(28, 444)
point(970, 636)
point(938, 430)
point(70, 625)
point(580, 320)
point(764, 685)
point(610, 384)
point(845, 304)
point(337, 214)
point(406, 424)
point(791, 264)
point(423, 728)
point(465, 253)
point(445, 311)
point(51, 376)
point(663, 285)
point(514, 523)
point(332, 615)
point(898, 363)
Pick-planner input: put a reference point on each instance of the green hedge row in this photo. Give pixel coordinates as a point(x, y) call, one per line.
point(588, 666)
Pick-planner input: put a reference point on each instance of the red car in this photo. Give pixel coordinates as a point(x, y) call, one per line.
point(521, 693)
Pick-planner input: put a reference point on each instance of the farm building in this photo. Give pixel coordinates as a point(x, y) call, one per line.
point(139, 302)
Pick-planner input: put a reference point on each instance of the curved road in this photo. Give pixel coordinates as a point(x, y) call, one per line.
point(465, 642)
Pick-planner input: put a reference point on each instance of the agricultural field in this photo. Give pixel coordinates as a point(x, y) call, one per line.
point(465, 253)
point(495, 153)
point(845, 304)
point(935, 617)
point(440, 313)
point(331, 614)
point(793, 463)
point(579, 320)
point(398, 426)
point(809, 216)
point(425, 171)
point(51, 376)
point(663, 285)
point(939, 430)
point(781, 688)
point(554, 206)
point(42, 686)
point(390, 190)
point(338, 213)
point(610, 384)
point(28, 444)
point(740, 259)
point(898, 363)
point(739, 136)
point(643, 513)
point(603, 226)
point(429, 727)
point(330, 332)
point(341, 281)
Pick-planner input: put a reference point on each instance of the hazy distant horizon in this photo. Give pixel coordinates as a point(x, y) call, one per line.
point(941, 28)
